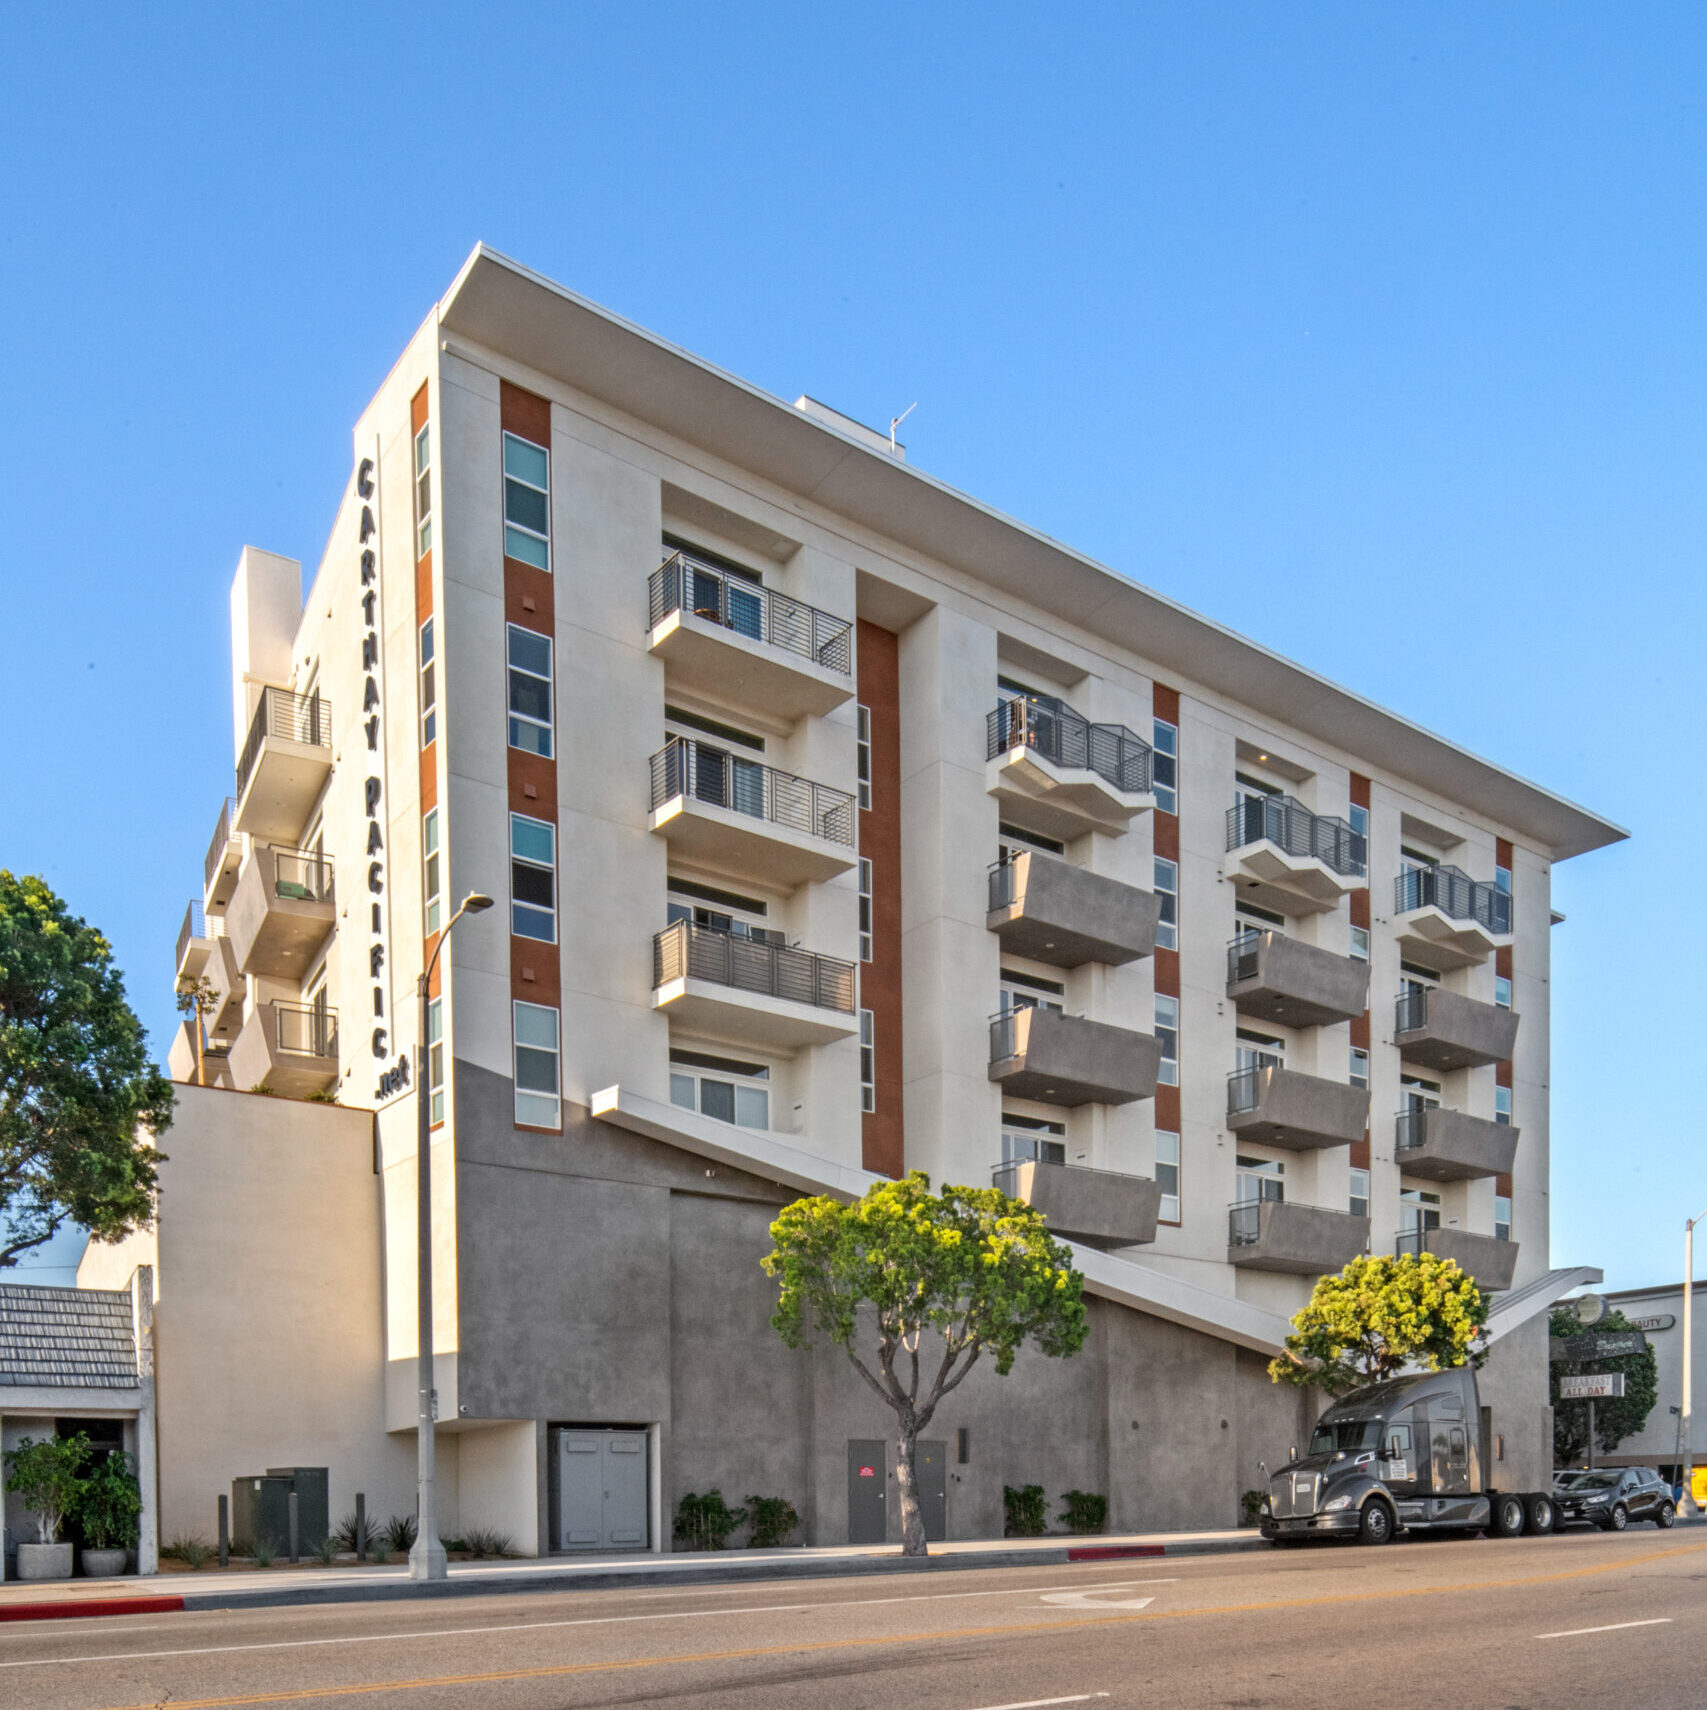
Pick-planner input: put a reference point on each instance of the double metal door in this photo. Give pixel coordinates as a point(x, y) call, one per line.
point(601, 1490)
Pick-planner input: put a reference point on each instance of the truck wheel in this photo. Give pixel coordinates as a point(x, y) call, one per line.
point(1376, 1524)
point(1540, 1516)
point(1666, 1516)
point(1508, 1516)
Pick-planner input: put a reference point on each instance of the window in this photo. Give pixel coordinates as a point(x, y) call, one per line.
point(430, 871)
point(536, 1066)
point(1254, 1050)
point(1030, 991)
point(721, 919)
point(1167, 1031)
point(1023, 840)
point(723, 1088)
point(1257, 1179)
point(533, 878)
point(1418, 1210)
point(1502, 1106)
point(429, 689)
point(1165, 766)
point(1032, 1138)
point(1359, 1076)
point(1502, 880)
point(527, 502)
point(867, 1060)
point(1167, 904)
point(1358, 818)
point(1417, 1094)
point(1502, 991)
point(530, 691)
point(1360, 943)
point(436, 1059)
point(423, 492)
point(1502, 1217)
point(864, 910)
point(1167, 1175)
point(1255, 919)
point(1359, 1198)
point(711, 894)
point(863, 717)
point(713, 727)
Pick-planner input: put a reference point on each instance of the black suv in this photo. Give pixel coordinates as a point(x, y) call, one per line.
point(1611, 1497)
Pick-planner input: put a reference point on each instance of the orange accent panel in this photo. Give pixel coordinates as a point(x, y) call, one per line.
point(546, 986)
point(1167, 835)
point(1502, 1186)
point(1359, 790)
point(418, 410)
point(524, 413)
point(1164, 702)
point(1167, 972)
point(1360, 908)
point(524, 582)
point(424, 587)
point(1360, 1152)
point(1167, 1109)
point(1502, 961)
point(1502, 1074)
point(882, 1131)
point(1502, 851)
point(1360, 1031)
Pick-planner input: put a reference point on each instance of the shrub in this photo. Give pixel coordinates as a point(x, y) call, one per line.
point(325, 1552)
point(1083, 1511)
point(1023, 1511)
point(191, 1551)
point(400, 1533)
point(46, 1475)
point(263, 1550)
point(109, 1506)
point(773, 1518)
point(345, 1533)
point(705, 1522)
point(482, 1541)
point(1250, 1507)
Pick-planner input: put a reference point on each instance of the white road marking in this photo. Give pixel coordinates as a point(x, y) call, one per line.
point(1616, 1627)
point(1038, 1703)
point(585, 1621)
point(1094, 1600)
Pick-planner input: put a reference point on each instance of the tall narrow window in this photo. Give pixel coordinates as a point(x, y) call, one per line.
point(432, 911)
point(537, 1084)
point(527, 502)
point(1359, 1075)
point(1502, 1217)
point(1167, 904)
point(863, 716)
point(1502, 991)
point(530, 691)
point(864, 910)
point(1360, 943)
point(1359, 1206)
point(1502, 880)
point(1165, 764)
point(1502, 1106)
point(1167, 1175)
point(533, 878)
point(1358, 818)
point(1167, 1031)
point(436, 1059)
point(867, 1060)
point(423, 492)
point(429, 688)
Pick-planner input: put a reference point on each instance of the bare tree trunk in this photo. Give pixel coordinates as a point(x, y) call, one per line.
point(907, 1481)
point(201, 1073)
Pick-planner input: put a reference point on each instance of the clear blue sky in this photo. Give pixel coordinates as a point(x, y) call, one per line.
point(1375, 331)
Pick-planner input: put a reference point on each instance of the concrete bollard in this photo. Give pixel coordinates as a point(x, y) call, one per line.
point(361, 1527)
point(225, 1531)
point(293, 1541)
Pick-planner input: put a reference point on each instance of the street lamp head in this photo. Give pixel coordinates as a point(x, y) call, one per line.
point(475, 903)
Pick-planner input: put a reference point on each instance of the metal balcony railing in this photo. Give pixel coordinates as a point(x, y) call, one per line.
point(684, 951)
point(300, 875)
point(1004, 1172)
point(1244, 1223)
point(296, 718)
point(684, 583)
point(306, 1031)
point(1245, 1088)
point(685, 766)
point(1410, 1011)
point(1410, 1130)
point(193, 927)
point(1455, 894)
point(1289, 825)
point(216, 849)
point(1004, 884)
point(1413, 1241)
point(1242, 956)
point(1054, 730)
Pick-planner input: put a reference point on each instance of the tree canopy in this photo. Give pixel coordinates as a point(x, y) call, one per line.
point(1378, 1316)
point(1613, 1420)
point(959, 1274)
point(79, 1099)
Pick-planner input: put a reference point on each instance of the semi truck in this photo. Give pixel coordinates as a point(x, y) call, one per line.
point(1408, 1455)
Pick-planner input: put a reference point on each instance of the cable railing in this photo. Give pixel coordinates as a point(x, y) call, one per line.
point(301, 875)
point(222, 836)
point(1051, 728)
point(683, 951)
point(685, 766)
point(1455, 894)
point(1289, 825)
point(306, 1030)
point(684, 583)
point(295, 718)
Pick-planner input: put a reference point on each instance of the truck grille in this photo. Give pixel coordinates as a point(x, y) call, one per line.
point(1293, 1494)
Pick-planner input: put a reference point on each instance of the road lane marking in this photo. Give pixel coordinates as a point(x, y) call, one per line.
point(1616, 1627)
point(1039, 1703)
point(1090, 1600)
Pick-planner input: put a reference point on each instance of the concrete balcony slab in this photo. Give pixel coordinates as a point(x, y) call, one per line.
point(1449, 1146)
point(1489, 1262)
point(1276, 978)
point(1267, 875)
point(1054, 912)
point(722, 837)
point(701, 654)
point(1068, 1060)
point(1062, 801)
point(1435, 938)
point(1295, 1111)
point(1100, 1207)
point(281, 912)
point(1301, 1240)
point(288, 1048)
point(1446, 1030)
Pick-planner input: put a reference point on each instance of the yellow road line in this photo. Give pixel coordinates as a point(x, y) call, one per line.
point(303, 1694)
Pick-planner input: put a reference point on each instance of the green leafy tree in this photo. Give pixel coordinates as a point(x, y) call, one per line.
point(960, 1273)
point(79, 1097)
point(47, 1474)
point(1613, 1420)
point(109, 1505)
point(1378, 1316)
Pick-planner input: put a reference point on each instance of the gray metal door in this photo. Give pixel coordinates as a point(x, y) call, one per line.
point(930, 1464)
point(601, 1490)
point(868, 1483)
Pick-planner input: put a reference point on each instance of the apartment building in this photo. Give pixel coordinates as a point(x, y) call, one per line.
point(841, 826)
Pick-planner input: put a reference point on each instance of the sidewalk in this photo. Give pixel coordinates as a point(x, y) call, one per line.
point(175, 1588)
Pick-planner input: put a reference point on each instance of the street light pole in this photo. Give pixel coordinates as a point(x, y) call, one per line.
point(1686, 1496)
point(427, 1555)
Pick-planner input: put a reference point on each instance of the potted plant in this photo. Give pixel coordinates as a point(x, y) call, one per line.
point(46, 1475)
point(109, 1509)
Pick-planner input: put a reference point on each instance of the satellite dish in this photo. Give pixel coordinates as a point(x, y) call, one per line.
point(1589, 1308)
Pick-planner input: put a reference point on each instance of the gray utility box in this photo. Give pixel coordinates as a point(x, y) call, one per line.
point(260, 1506)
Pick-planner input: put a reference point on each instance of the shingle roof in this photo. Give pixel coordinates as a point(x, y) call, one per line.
point(65, 1337)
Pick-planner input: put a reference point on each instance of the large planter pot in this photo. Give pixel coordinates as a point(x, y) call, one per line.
point(44, 1561)
point(105, 1564)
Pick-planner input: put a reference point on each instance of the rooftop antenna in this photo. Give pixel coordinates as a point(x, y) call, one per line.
point(896, 421)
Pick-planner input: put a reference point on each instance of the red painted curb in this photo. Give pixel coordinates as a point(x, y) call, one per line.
point(69, 1607)
point(1115, 1552)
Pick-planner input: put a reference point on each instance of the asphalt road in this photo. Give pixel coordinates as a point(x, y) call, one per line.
point(1550, 1623)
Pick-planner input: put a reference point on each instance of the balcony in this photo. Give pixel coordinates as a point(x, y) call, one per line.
point(1102, 1208)
point(730, 812)
point(1276, 978)
point(195, 942)
point(1290, 1109)
point(224, 856)
point(750, 992)
point(1069, 775)
point(1489, 1262)
point(1302, 1240)
point(1066, 1059)
point(288, 1048)
point(1053, 912)
point(284, 765)
point(281, 911)
point(1447, 919)
point(1446, 1030)
point(1282, 856)
point(1448, 1146)
point(725, 635)
point(221, 972)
